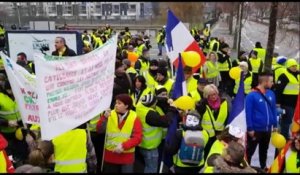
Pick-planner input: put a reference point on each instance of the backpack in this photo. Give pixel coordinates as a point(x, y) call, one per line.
point(191, 148)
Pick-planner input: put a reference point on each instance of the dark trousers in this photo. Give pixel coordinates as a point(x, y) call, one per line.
point(263, 140)
point(117, 168)
point(98, 142)
point(187, 170)
point(226, 84)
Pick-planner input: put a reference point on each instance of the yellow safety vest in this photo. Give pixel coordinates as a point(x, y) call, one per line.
point(195, 96)
point(168, 85)
point(115, 136)
point(247, 84)
point(93, 123)
point(216, 148)
point(133, 97)
point(274, 62)
point(291, 162)
point(176, 159)
point(278, 70)
point(212, 70)
point(8, 111)
point(139, 49)
point(191, 84)
point(224, 66)
point(152, 136)
point(151, 82)
point(2, 163)
point(255, 64)
point(158, 38)
point(219, 124)
point(131, 70)
point(70, 151)
point(292, 88)
point(261, 53)
point(98, 42)
point(206, 32)
point(211, 45)
point(128, 34)
point(2, 31)
point(1, 64)
point(144, 67)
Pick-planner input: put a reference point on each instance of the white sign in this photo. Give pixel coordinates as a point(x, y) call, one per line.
point(23, 85)
point(31, 42)
point(73, 90)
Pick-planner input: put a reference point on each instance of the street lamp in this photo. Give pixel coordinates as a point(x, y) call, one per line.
point(18, 10)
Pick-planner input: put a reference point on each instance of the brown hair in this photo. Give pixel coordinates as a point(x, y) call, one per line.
point(41, 155)
point(226, 136)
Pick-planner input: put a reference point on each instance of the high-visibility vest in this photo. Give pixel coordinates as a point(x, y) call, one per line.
point(161, 113)
point(219, 124)
point(176, 159)
point(206, 32)
point(8, 111)
point(144, 67)
point(195, 95)
point(247, 84)
point(216, 148)
point(89, 37)
point(2, 31)
point(158, 38)
point(212, 70)
point(70, 151)
point(2, 163)
point(93, 123)
point(128, 34)
point(224, 66)
point(261, 53)
point(134, 98)
point(274, 62)
point(292, 88)
point(131, 70)
point(1, 64)
point(168, 85)
point(139, 49)
point(191, 84)
point(278, 70)
point(116, 136)
point(255, 64)
point(291, 162)
point(151, 82)
point(152, 136)
point(98, 42)
point(211, 45)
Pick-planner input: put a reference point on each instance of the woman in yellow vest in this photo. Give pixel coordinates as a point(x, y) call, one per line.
point(140, 90)
point(214, 112)
point(152, 131)
point(287, 90)
point(124, 132)
point(288, 160)
point(187, 146)
point(248, 83)
point(6, 165)
point(230, 133)
point(255, 65)
point(210, 69)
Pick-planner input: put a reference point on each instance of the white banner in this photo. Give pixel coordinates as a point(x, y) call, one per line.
point(23, 85)
point(73, 90)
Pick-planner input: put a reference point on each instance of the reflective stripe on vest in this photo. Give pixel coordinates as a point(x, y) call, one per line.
point(152, 136)
point(219, 123)
point(2, 163)
point(176, 159)
point(70, 150)
point(291, 162)
point(211, 45)
point(255, 64)
point(195, 95)
point(247, 84)
point(292, 88)
point(9, 111)
point(191, 84)
point(134, 98)
point(114, 135)
point(93, 123)
point(212, 70)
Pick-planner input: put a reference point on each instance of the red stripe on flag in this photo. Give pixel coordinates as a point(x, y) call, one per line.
point(297, 111)
point(193, 47)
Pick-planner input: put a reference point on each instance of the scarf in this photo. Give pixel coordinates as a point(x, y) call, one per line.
point(214, 104)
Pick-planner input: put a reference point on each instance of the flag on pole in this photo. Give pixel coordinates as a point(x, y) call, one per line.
point(237, 116)
point(296, 120)
point(179, 90)
point(179, 39)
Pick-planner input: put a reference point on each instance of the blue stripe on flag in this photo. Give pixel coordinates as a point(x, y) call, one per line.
point(171, 23)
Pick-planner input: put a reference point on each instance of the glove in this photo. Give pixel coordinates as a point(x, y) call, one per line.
point(119, 149)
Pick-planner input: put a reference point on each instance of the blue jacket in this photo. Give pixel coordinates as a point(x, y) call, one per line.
point(260, 115)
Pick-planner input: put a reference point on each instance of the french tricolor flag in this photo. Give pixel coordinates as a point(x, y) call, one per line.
point(179, 39)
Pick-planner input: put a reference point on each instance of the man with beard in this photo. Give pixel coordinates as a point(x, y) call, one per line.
point(61, 48)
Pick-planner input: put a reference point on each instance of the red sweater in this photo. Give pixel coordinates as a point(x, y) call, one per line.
point(135, 140)
point(3, 145)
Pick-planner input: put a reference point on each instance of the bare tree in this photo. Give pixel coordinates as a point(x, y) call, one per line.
point(272, 36)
